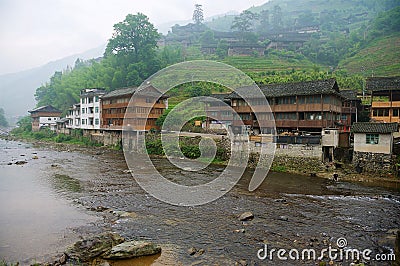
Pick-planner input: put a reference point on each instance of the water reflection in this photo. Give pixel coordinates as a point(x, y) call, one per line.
point(33, 218)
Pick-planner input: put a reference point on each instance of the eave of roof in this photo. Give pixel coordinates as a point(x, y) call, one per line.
point(368, 127)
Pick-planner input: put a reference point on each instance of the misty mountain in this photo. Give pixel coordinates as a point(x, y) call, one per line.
point(18, 89)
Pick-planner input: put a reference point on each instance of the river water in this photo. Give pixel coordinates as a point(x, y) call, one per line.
point(62, 194)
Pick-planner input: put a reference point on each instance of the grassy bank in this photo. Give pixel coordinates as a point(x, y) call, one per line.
point(76, 137)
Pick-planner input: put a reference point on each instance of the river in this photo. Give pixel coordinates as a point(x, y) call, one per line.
point(64, 193)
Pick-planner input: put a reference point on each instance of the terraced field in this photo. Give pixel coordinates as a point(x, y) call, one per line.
point(268, 63)
point(381, 57)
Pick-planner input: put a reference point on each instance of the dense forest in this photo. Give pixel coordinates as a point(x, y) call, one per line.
point(130, 59)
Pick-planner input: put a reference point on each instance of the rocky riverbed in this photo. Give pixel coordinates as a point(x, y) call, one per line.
point(99, 194)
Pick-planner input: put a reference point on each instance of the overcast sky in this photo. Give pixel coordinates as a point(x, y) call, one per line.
point(33, 33)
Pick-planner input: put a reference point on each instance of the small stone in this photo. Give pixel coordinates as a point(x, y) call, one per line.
point(191, 251)
point(283, 218)
point(100, 209)
point(54, 165)
point(63, 258)
point(246, 216)
point(10, 163)
point(35, 157)
point(200, 252)
point(239, 230)
point(20, 162)
point(280, 200)
point(242, 262)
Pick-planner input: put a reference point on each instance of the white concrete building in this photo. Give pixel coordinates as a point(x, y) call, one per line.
point(74, 116)
point(90, 108)
point(374, 137)
point(373, 147)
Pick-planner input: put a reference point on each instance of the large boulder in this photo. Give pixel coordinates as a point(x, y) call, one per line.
point(132, 249)
point(88, 249)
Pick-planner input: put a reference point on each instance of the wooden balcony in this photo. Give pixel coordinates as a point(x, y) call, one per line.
point(385, 119)
point(349, 110)
point(242, 109)
point(119, 115)
point(114, 105)
point(141, 115)
point(217, 108)
point(252, 109)
point(385, 104)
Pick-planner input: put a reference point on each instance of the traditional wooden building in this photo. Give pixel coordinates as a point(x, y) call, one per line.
point(351, 106)
point(45, 116)
point(141, 114)
point(302, 106)
point(385, 98)
point(218, 111)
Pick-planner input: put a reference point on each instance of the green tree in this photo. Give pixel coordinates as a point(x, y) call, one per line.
point(133, 35)
point(24, 125)
point(207, 38)
point(245, 21)
point(3, 120)
point(264, 25)
point(198, 16)
point(222, 49)
point(277, 21)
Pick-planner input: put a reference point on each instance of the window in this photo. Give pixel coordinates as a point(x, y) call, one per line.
point(396, 112)
point(83, 121)
point(96, 99)
point(372, 139)
point(83, 110)
point(96, 109)
point(327, 99)
point(381, 112)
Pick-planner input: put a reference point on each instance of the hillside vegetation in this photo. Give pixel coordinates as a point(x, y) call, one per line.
point(380, 58)
point(275, 61)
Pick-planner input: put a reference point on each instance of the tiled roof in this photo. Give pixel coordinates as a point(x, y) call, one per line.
point(328, 86)
point(119, 92)
point(92, 92)
point(350, 95)
point(383, 83)
point(47, 108)
point(366, 127)
point(219, 97)
point(144, 91)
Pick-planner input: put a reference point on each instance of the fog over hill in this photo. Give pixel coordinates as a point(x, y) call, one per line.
point(18, 89)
